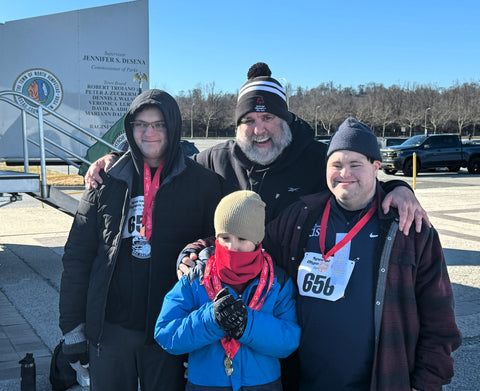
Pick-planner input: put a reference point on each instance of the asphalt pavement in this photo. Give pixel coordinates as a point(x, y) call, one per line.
point(32, 236)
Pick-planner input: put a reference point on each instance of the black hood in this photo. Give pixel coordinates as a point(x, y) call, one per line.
point(173, 120)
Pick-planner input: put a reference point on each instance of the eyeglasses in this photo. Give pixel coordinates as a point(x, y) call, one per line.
point(142, 125)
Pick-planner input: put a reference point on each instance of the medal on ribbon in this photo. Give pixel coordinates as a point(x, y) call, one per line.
point(227, 362)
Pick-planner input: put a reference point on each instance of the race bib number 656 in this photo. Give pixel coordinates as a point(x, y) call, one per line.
point(324, 280)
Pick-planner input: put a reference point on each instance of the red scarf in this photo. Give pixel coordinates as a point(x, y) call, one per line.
point(236, 267)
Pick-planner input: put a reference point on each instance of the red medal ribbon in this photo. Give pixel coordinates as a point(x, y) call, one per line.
point(230, 345)
point(356, 228)
point(150, 188)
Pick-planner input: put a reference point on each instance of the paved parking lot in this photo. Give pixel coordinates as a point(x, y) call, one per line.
point(32, 236)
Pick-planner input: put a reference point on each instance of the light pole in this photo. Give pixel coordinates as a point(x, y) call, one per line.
point(286, 91)
point(316, 121)
point(426, 110)
point(191, 120)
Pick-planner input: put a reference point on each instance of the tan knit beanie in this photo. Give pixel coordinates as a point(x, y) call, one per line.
point(241, 213)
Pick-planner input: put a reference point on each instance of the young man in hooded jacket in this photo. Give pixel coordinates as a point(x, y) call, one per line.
point(119, 259)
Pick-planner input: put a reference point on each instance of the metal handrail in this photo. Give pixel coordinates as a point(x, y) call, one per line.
point(40, 109)
point(50, 151)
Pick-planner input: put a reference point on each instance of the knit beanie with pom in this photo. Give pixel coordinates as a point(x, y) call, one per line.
point(262, 94)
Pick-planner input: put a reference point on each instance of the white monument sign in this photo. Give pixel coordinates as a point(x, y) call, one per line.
point(86, 65)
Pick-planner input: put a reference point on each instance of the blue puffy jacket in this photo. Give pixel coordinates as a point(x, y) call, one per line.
point(186, 324)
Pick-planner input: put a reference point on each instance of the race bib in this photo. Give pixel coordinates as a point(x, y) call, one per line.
point(134, 218)
point(140, 246)
point(325, 280)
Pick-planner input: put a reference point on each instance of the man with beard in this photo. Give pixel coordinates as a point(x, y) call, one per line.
point(274, 153)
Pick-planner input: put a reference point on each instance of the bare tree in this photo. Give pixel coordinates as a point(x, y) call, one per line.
point(329, 112)
point(458, 98)
point(437, 112)
point(411, 111)
point(412, 106)
point(208, 107)
point(378, 106)
point(475, 108)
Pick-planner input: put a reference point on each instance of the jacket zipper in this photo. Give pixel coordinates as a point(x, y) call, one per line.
point(114, 258)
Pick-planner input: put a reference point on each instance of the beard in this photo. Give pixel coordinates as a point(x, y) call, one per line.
point(265, 156)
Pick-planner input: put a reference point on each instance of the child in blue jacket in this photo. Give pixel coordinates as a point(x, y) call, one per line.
point(236, 316)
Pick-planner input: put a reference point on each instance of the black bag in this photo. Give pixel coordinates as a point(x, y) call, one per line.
point(62, 375)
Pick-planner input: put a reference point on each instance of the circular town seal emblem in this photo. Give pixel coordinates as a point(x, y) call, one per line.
point(120, 141)
point(39, 85)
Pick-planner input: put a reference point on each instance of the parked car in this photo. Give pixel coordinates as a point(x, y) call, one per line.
point(432, 151)
point(471, 141)
point(188, 148)
point(384, 142)
point(323, 139)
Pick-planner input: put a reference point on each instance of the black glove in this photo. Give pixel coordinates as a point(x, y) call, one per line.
point(241, 322)
point(230, 314)
point(76, 352)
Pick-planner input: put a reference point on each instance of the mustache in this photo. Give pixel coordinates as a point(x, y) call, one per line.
point(257, 138)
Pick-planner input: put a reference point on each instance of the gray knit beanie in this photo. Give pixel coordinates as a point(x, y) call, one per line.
point(262, 93)
point(353, 135)
point(241, 213)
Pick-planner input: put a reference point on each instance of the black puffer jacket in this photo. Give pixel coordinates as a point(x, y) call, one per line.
point(300, 170)
point(183, 211)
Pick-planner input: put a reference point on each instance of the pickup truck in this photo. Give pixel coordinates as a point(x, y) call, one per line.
point(432, 151)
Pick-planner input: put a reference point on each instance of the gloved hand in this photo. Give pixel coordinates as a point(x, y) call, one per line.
point(240, 322)
point(230, 314)
point(76, 352)
point(74, 346)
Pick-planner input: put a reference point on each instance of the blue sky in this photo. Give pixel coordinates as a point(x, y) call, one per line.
point(306, 42)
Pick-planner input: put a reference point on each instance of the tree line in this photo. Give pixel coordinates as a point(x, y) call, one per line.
point(394, 111)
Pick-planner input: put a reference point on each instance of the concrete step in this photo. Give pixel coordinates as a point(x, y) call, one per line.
point(13, 182)
point(18, 182)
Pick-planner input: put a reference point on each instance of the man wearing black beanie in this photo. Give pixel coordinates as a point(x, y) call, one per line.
point(375, 305)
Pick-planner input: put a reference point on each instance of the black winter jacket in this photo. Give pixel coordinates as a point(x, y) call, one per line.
point(300, 170)
point(180, 216)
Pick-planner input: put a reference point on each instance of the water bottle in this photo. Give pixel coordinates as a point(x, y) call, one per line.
point(28, 373)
